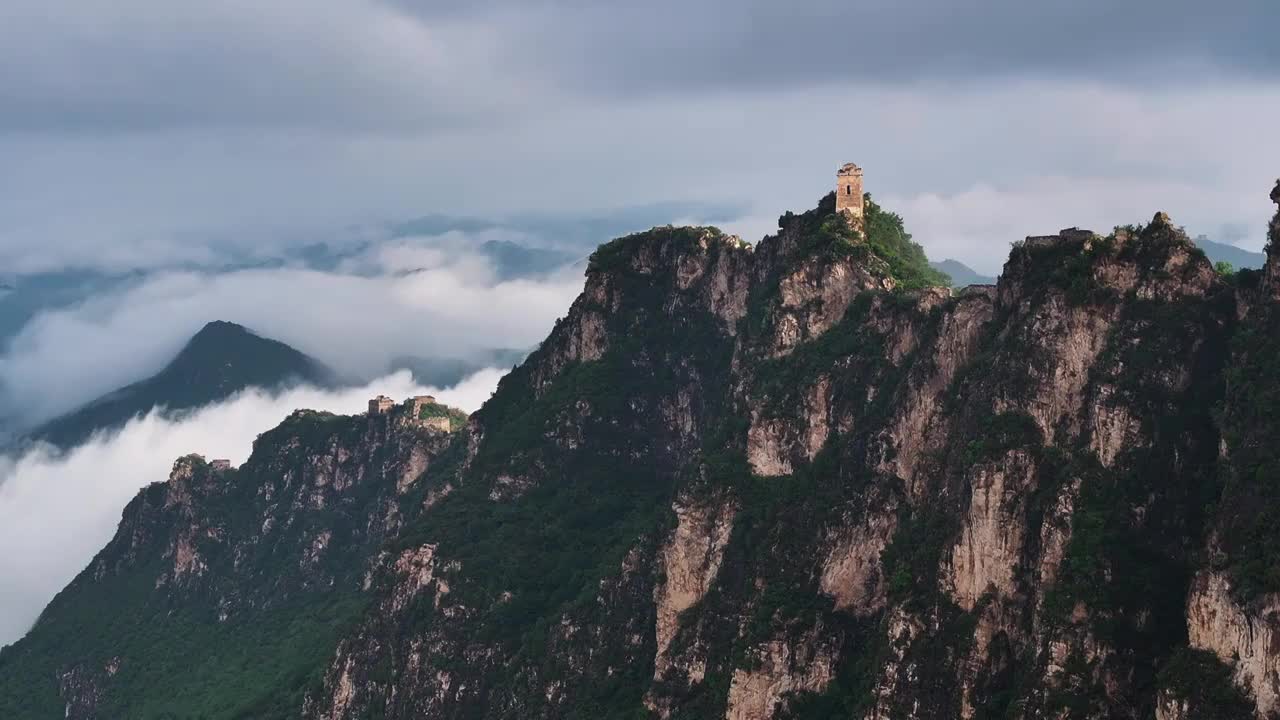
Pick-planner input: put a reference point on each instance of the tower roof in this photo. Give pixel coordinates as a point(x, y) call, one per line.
point(849, 169)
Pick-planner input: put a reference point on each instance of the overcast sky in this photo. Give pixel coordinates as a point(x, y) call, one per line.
point(138, 130)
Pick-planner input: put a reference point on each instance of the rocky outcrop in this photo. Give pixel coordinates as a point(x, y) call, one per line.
point(914, 431)
point(690, 561)
point(898, 673)
point(813, 297)
point(986, 556)
point(1247, 640)
point(780, 669)
point(851, 573)
point(81, 692)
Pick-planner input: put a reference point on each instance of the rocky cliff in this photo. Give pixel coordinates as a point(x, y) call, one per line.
point(793, 480)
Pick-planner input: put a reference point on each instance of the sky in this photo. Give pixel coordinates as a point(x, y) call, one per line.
point(147, 132)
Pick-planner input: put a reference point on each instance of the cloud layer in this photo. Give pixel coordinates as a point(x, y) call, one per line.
point(419, 299)
point(56, 512)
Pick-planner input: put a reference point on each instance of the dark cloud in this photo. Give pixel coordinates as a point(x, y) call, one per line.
point(418, 67)
point(622, 47)
point(144, 66)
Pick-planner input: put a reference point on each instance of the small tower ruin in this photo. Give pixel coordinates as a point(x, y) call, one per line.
point(849, 192)
point(380, 405)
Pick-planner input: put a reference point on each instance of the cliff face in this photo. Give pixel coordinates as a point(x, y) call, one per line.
point(774, 482)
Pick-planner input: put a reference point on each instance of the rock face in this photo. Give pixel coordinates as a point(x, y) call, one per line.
point(1247, 639)
point(780, 481)
point(690, 561)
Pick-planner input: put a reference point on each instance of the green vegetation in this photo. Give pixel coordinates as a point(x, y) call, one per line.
point(615, 255)
point(457, 418)
point(1250, 419)
point(888, 239)
point(1000, 433)
point(1200, 677)
point(1224, 268)
point(884, 241)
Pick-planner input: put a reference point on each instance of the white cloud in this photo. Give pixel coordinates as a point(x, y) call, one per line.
point(354, 323)
point(56, 512)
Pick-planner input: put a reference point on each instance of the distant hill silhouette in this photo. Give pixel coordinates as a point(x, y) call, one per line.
point(1238, 257)
point(449, 371)
point(961, 274)
point(218, 361)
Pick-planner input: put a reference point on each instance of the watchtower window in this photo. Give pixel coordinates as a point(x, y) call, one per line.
point(848, 189)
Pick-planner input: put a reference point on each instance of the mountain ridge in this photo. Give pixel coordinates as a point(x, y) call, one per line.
point(961, 275)
point(788, 480)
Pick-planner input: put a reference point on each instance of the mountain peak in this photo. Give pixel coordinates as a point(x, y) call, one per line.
point(221, 359)
point(223, 327)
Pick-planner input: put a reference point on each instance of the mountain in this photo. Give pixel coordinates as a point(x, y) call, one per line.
point(1238, 257)
point(961, 275)
point(218, 361)
point(794, 480)
point(511, 260)
point(447, 372)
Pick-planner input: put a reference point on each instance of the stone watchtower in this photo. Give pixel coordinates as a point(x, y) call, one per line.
point(849, 192)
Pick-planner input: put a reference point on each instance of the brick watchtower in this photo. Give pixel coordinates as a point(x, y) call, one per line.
point(849, 192)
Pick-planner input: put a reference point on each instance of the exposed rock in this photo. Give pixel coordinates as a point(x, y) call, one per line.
point(897, 671)
point(781, 668)
point(690, 561)
point(851, 572)
point(912, 433)
point(1171, 707)
point(1246, 639)
point(1113, 427)
point(813, 297)
point(416, 569)
point(767, 447)
point(985, 558)
point(81, 693)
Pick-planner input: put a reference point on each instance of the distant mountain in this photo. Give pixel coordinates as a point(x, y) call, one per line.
point(25, 296)
point(511, 260)
point(961, 274)
point(1238, 257)
point(220, 360)
point(446, 372)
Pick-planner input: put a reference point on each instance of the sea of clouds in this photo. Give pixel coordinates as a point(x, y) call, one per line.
point(414, 297)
